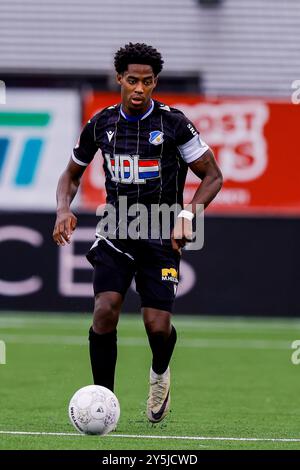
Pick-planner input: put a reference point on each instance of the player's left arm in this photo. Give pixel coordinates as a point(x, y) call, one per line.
point(207, 169)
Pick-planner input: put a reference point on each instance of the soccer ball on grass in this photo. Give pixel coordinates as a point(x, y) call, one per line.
point(94, 410)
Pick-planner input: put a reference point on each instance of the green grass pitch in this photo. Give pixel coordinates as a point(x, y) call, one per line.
point(233, 384)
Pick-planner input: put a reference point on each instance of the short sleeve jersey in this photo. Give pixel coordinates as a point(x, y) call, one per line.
point(145, 159)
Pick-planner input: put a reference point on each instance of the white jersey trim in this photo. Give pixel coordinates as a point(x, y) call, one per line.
point(101, 237)
point(193, 149)
point(144, 116)
point(79, 162)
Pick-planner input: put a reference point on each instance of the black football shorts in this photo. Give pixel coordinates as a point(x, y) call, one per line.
point(154, 266)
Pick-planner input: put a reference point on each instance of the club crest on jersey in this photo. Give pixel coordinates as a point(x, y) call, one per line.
point(156, 137)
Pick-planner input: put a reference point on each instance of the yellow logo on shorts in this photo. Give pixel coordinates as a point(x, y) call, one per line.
point(169, 274)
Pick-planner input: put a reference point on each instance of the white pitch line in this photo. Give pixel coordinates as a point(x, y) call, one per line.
point(201, 323)
point(137, 436)
point(215, 343)
point(235, 343)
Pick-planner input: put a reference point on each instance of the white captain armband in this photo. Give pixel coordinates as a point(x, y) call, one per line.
point(193, 149)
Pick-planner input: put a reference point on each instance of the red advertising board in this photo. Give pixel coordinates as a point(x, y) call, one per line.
point(255, 144)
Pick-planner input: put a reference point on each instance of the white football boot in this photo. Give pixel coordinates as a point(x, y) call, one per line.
point(159, 396)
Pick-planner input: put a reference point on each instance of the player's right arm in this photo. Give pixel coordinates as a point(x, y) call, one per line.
point(69, 182)
point(67, 188)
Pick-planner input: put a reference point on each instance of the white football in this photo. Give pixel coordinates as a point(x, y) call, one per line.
point(94, 410)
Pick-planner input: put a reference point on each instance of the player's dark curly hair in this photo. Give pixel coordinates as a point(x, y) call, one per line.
point(138, 53)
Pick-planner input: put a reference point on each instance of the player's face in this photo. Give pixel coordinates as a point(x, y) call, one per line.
point(137, 85)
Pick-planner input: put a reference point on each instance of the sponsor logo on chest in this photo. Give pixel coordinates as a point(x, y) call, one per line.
point(131, 169)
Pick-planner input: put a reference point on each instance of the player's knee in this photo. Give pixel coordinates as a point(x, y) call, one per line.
point(158, 326)
point(106, 314)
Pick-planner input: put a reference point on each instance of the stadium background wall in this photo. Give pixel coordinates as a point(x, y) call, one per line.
point(248, 266)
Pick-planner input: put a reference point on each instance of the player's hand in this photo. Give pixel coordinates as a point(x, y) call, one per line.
point(65, 225)
point(182, 233)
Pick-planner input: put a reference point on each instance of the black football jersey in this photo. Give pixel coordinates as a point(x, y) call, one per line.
point(145, 158)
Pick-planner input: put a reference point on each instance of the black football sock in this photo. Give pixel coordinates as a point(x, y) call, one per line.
point(103, 355)
point(162, 350)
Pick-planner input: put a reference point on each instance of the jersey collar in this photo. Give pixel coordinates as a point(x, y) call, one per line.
point(140, 117)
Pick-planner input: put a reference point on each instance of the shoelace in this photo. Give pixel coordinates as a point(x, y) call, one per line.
point(158, 390)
